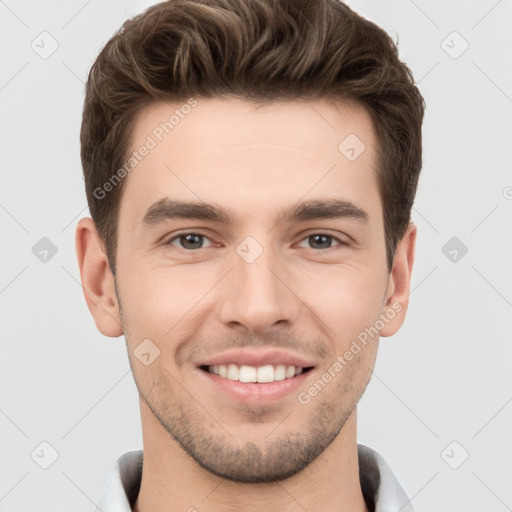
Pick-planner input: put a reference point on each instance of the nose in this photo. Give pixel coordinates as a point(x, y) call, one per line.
point(257, 296)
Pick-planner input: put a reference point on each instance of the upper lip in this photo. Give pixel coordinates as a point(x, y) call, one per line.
point(258, 357)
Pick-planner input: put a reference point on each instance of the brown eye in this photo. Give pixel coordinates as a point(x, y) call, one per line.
point(322, 241)
point(188, 241)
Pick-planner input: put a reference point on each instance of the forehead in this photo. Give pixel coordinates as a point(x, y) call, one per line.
point(252, 155)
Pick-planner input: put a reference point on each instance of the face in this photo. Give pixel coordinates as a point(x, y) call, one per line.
point(251, 248)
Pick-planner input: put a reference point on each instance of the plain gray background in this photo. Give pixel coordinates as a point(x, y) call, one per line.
point(439, 405)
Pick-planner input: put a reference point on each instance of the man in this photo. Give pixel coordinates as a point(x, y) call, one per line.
point(250, 168)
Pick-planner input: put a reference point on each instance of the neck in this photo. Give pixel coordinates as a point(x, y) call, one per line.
point(172, 480)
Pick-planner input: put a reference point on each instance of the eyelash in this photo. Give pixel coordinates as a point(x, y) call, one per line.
point(179, 235)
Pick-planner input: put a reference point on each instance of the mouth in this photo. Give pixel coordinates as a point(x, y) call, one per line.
point(255, 374)
point(255, 385)
point(255, 377)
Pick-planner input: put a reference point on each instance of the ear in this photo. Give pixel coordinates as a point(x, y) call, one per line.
point(397, 294)
point(97, 279)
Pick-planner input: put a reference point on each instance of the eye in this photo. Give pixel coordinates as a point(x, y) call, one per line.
point(188, 241)
point(323, 240)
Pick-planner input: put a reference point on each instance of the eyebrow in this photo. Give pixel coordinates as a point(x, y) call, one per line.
point(168, 209)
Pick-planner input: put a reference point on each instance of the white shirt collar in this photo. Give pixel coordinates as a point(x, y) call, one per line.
point(377, 481)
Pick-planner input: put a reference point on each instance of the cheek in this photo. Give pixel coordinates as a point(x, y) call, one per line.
point(346, 299)
point(161, 303)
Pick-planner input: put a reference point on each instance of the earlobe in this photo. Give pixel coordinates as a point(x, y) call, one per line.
point(97, 279)
point(395, 307)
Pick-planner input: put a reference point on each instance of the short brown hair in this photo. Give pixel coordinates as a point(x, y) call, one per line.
point(259, 50)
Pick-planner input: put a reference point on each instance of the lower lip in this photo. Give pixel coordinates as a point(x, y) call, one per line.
point(256, 393)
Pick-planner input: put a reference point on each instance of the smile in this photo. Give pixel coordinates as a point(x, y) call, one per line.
point(260, 374)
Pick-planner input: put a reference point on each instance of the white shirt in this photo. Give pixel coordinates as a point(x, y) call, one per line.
point(378, 483)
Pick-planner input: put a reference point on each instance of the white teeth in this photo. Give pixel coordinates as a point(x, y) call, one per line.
point(244, 373)
point(265, 373)
point(290, 371)
point(247, 374)
point(280, 372)
point(232, 372)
